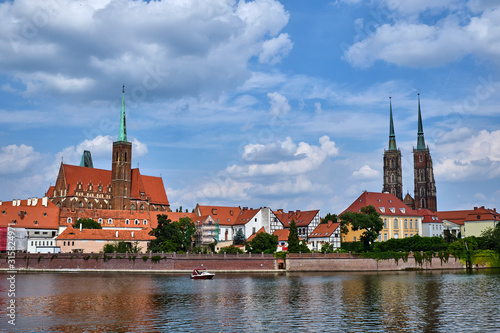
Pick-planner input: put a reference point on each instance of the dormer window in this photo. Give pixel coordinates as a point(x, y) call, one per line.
point(136, 222)
point(99, 220)
point(145, 222)
point(69, 220)
point(127, 221)
point(110, 221)
point(393, 210)
point(402, 210)
point(382, 209)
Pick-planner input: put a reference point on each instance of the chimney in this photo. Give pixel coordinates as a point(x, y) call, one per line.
point(45, 201)
point(116, 233)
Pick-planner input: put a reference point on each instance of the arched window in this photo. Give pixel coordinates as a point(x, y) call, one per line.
point(406, 223)
point(117, 157)
point(145, 222)
point(99, 220)
point(80, 204)
point(422, 192)
point(132, 207)
point(127, 221)
point(142, 207)
point(396, 224)
point(392, 163)
point(411, 223)
point(385, 223)
point(126, 156)
point(69, 220)
point(90, 205)
point(423, 203)
point(110, 221)
point(392, 178)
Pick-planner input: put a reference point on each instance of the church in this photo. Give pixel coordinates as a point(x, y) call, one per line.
point(424, 184)
point(121, 188)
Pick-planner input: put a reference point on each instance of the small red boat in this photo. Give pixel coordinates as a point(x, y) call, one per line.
point(201, 274)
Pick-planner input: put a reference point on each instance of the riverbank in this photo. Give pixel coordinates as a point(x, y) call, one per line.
point(182, 263)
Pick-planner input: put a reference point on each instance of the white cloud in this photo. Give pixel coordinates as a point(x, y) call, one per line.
point(417, 44)
point(275, 49)
point(366, 172)
point(279, 104)
point(160, 48)
point(308, 158)
point(471, 158)
point(15, 159)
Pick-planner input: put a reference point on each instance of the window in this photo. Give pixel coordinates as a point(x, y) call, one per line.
point(422, 192)
point(99, 220)
point(411, 223)
point(126, 160)
point(89, 205)
point(416, 224)
point(142, 207)
point(406, 223)
point(406, 235)
point(396, 224)
point(73, 243)
point(136, 221)
point(382, 209)
point(110, 221)
point(69, 220)
point(420, 158)
point(132, 207)
point(64, 243)
point(80, 204)
point(354, 239)
point(396, 236)
point(145, 222)
point(385, 223)
point(127, 221)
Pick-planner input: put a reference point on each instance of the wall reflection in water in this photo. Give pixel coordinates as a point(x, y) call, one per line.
point(355, 302)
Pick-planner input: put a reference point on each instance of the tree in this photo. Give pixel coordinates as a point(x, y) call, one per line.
point(263, 242)
point(293, 238)
point(87, 224)
point(329, 217)
point(239, 237)
point(491, 238)
point(231, 249)
point(368, 220)
point(122, 247)
point(327, 248)
point(172, 236)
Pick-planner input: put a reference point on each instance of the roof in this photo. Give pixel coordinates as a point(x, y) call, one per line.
point(118, 217)
point(245, 216)
point(477, 214)
point(105, 234)
point(324, 230)
point(31, 213)
point(282, 234)
point(176, 216)
point(301, 218)
point(386, 204)
point(261, 230)
point(222, 214)
point(153, 187)
point(429, 216)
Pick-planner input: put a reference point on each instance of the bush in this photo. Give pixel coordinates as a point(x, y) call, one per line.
point(231, 250)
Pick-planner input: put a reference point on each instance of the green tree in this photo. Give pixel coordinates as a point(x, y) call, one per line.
point(87, 224)
point(122, 247)
point(172, 236)
point(491, 238)
point(239, 237)
point(263, 242)
point(327, 248)
point(368, 220)
point(293, 238)
point(231, 249)
point(329, 217)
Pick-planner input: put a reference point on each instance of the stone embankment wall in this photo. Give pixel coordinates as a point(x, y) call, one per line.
point(160, 262)
point(140, 262)
point(344, 262)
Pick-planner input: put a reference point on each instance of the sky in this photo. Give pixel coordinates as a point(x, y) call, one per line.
point(283, 104)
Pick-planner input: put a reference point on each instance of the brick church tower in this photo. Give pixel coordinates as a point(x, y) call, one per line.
point(121, 168)
point(424, 184)
point(393, 180)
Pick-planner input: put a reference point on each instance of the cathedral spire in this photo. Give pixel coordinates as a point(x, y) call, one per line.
point(420, 137)
point(122, 135)
point(392, 136)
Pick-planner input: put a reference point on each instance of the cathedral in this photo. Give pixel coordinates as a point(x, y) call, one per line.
point(121, 188)
point(424, 184)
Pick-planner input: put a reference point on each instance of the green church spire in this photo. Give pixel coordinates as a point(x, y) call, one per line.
point(420, 135)
point(392, 136)
point(122, 135)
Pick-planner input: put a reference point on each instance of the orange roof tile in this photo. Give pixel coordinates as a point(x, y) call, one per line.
point(253, 236)
point(118, 217)
point(223, 215)
point(176, 216)
point(28, 215)
point(385, 203)
point(429, 216)
point(282, 234)
point(105, 234)
point(324, 229)
point(456, 216)
point(245, 216)
point(301, 218)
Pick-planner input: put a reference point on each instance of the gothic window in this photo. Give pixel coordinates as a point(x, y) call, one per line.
point(80, 204)
point(423, 203)
point(392, 163)
point(125, 192)
point(392, 178)
point(132, 207)
point(117, 157)
point(420, 158)
point(394, 191)
point(90, 205)
point(422, 192)
point(125, 156)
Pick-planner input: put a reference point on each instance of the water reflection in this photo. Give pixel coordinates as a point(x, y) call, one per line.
point(389, 302)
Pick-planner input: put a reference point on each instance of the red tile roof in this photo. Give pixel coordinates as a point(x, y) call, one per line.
point(482, 214)
point(176, 216)
point(32, 216)
point(429, 216)
point(456, 216)
point(118, 217)
point(282, 234)
point(324, 230)
point(105, 234)
point(152, 186)
point(223, 215)
point(301, 218)
point(253, 236)
point(386, 204)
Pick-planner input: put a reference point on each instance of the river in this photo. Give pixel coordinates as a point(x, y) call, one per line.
point(314, 302)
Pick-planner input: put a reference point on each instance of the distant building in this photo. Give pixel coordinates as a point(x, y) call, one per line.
point(393, 179)
point(432, 225)
point(399, 220)
point(325, 233)
point(306, 221)
point(121, 188)
point(473, 222)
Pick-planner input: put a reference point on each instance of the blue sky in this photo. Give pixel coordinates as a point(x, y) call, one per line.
point(253, 103)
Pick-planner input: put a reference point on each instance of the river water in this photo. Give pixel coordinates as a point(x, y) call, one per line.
point(334, 302)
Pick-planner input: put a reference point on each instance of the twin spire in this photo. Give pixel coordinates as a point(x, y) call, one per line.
point(420, 134)
point(122, 135)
